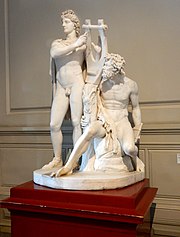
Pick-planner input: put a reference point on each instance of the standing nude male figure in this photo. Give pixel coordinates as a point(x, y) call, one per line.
point(116, 92)
point(67, 57)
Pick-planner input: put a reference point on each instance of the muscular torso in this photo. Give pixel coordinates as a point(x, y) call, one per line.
point(115, 96)
point(69, 66)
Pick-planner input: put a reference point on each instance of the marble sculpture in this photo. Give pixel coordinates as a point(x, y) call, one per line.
point(99, 100)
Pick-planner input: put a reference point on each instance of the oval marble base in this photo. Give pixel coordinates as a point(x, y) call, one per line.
point(88, 180)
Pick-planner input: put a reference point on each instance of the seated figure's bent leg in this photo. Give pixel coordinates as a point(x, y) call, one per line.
point(58, 111)
point(93, 130)
point(126, 139)
point(132, 151)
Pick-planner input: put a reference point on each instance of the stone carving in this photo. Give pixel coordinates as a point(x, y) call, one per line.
point(108, 142)
point(66, 65)
point(112, 132)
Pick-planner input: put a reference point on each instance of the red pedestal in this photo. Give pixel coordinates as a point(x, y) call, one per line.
point(38, 211)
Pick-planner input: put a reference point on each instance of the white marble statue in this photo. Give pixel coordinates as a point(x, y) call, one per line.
point(66, 69)
point(107, 145)
point(116, 92)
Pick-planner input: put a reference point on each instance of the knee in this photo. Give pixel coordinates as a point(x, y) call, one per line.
point(76, 123)
point(92, 129)
point(54, 127)
point(130, 149)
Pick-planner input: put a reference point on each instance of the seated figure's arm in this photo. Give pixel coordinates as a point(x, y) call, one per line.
point(136, 112)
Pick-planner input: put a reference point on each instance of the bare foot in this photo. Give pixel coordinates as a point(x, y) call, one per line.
point(62, 171)
point(56, 162)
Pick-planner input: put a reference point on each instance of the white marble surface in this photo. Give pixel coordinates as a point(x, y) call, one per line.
point(88, 180)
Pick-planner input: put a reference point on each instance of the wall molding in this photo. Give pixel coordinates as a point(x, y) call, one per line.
point(66, 128)
point(7, 59)
point(165, 103)
point(9, 109)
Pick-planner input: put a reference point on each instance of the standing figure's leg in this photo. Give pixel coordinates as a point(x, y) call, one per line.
point(59, 108)
point(76, 109)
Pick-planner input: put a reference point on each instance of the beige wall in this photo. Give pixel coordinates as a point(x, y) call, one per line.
point(146, 33)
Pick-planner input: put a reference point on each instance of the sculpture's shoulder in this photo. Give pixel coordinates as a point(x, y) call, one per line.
point(56, 42)
point(131, 83)
point(129, 80)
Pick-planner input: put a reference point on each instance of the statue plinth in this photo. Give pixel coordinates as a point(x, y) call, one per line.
point(85, 180)
point(44, 212)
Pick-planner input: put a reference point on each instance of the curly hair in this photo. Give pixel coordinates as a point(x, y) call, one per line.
point(118, 63)
point(72, 16)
